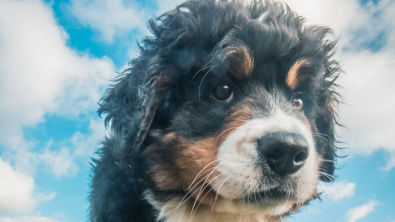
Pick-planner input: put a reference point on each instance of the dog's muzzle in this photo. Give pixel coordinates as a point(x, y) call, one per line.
point(284, 153)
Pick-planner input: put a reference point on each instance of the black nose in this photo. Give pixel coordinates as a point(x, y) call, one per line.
point(285, 153)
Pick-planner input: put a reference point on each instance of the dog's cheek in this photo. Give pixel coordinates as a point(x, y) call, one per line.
point(174, 162)
point(165, 178)
point(160, 162)
point(197, 159)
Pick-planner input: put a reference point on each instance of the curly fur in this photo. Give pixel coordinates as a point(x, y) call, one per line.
point(162, 106)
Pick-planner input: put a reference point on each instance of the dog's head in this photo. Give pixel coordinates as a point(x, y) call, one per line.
point(229, 105)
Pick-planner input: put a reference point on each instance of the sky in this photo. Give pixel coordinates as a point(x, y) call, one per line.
point(58, 56)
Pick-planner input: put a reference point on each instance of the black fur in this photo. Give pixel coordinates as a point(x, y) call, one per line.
point(166, 91)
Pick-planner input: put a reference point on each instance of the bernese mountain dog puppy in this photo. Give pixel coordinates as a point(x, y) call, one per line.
point(227, 114)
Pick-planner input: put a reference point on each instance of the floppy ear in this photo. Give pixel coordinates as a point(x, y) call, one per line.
point(131, 103)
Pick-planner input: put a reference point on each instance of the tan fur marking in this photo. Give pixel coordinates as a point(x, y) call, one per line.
point(195, 157)
point(166, 179)
point(293, 79)
point(164, 173)
point(241, 62)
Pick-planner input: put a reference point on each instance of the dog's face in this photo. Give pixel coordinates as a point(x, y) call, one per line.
point(230, 108)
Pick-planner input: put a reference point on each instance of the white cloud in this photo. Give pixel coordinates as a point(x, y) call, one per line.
point(40, 75)
point(17, 193)
point(369, 93)
point(110, 17)
point(360, 212)
point(338, 190)
point(368, 85)
point(60, 162)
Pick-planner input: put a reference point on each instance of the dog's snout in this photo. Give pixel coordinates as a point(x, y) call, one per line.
point(285, 153)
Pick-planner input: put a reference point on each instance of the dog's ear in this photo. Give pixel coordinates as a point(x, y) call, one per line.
point(131, 103)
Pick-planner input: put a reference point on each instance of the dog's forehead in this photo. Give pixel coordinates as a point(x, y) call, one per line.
point(256, 49)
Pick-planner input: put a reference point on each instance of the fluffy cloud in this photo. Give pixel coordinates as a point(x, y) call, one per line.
point(60, 162)
point(109, 17)
point(17, 192)
point(360, 212)
point(337, 190)
point(366, 53)
point(40, 75)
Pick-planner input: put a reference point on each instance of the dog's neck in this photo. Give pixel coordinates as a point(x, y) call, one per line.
point(190, 211)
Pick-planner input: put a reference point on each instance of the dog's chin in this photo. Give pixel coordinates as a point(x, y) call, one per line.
point(258, 203)
point(275, 200)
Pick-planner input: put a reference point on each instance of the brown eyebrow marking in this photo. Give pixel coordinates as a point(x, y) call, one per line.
point(240, 61)
point(293, 78)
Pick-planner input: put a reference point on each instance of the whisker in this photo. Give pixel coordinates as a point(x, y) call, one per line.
point(204, 67)
point(188, 195)
point(325, 160)
point(200, 85)
point(197, 183)
point(202, 187)
point(256, 200)
point(330, 177)
point(206, 192)
point(201, 172)
point(224, 132)
point(219, 189)
point(320, 136)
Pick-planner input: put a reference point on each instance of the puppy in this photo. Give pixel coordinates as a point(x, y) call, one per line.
point(226, 115)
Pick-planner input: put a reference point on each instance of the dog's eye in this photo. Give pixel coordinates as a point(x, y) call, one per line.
point(223, 93)
point(297, 101)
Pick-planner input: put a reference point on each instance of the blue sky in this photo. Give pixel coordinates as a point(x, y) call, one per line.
point(57, 57)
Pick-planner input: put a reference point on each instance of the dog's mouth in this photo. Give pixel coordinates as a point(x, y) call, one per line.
point(270, 195)
point(280, 197)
